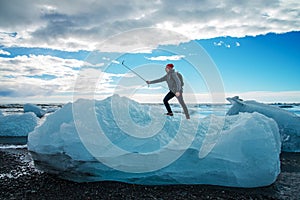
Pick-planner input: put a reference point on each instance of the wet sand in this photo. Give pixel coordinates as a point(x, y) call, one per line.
point(20, 180)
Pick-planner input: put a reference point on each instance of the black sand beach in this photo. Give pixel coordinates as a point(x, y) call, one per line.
point(20, 180)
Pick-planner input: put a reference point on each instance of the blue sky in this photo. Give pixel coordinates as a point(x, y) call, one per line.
point(250, 49)
point(262, 63)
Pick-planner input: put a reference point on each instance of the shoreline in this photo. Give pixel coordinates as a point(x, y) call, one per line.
point(20, 180)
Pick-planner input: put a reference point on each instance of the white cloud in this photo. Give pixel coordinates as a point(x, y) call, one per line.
point(218, 43)
point(4, 52)
point(115, 61)
point(87, 24)
point(221, 43)
point(165, 58)
point(106, 58)
point(25, 76)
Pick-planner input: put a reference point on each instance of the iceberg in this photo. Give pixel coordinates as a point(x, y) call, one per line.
point(16, 125)
point(288, 123)
point(35, 109)
point(121, 140)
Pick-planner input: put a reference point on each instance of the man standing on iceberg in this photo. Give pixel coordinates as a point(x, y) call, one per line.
point(175, 88)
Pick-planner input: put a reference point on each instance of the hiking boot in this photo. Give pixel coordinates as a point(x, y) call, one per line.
point(169, 114)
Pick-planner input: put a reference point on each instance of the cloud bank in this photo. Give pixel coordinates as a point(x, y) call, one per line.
point(39, 75)
point(119, 26)
point(85, 25)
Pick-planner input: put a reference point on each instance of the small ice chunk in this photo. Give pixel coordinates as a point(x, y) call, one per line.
point(35, 109)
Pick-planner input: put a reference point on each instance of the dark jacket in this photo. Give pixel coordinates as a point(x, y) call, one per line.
point(172, 79)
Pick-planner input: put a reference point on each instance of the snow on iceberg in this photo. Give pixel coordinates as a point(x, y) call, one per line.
point(35, 109)
point(121, 140)
point(288, 123)
point(17, 124)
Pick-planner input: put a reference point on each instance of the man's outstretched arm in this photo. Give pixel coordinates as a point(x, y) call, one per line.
point(164, 78)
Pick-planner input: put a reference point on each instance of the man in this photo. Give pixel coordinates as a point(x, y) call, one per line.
point(175, 88)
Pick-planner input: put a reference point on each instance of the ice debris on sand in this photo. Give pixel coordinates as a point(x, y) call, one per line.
point(119, 139)
point(288, 123)
point(16, 125)
point(35, 109)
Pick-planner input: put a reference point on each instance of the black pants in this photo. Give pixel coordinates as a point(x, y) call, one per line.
point(169, 96)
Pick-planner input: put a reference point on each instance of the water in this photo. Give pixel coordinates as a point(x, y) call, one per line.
point(13, 140)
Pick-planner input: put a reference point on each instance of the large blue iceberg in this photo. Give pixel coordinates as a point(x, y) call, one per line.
point(288, 123)
point(119, 139)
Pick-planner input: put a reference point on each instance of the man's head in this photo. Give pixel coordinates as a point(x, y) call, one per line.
point(169, 67)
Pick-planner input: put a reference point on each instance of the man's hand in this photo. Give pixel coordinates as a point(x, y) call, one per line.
point(148, 82)
point(177, 94)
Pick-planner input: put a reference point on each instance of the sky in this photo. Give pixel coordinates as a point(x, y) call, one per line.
point(58, 51)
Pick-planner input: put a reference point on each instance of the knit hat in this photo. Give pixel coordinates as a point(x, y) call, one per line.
point(170, 66)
